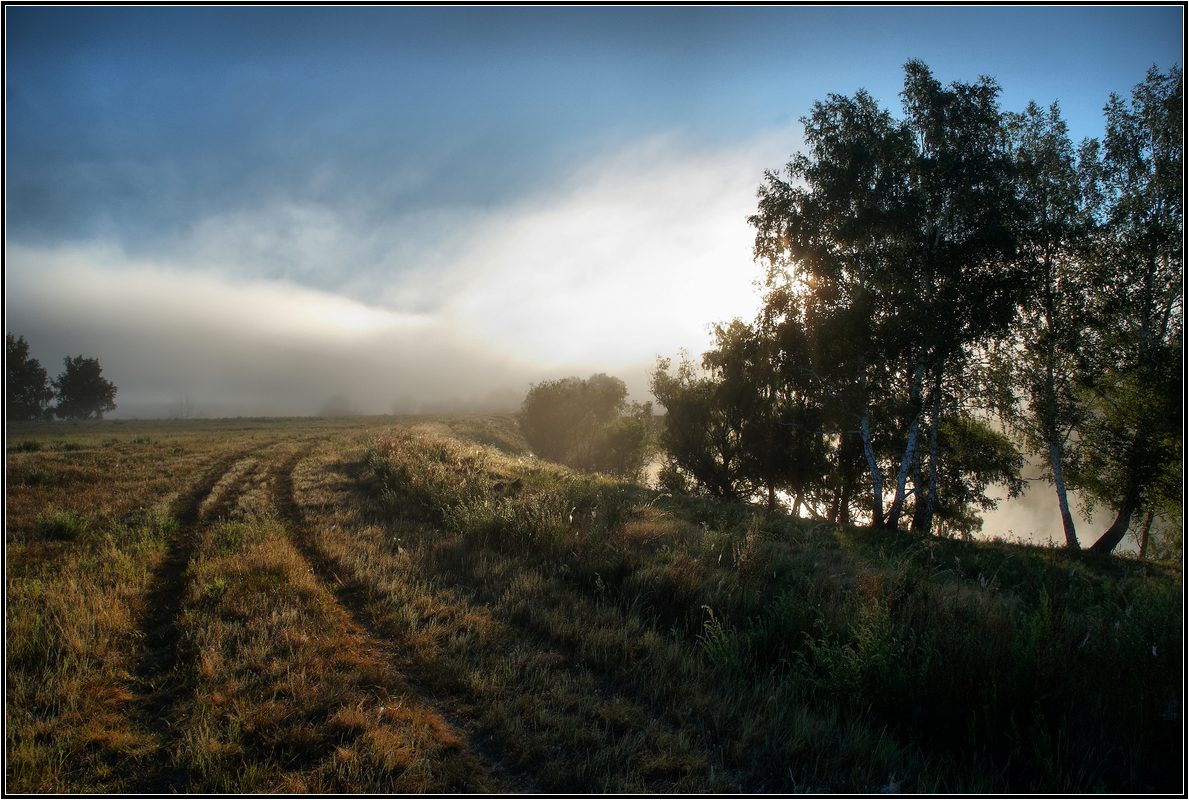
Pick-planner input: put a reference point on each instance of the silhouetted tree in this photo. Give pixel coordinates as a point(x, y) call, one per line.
point(967, 284)
point(899, 230)
point(836, 222)
point(750, 424)
point(27, 392)
point(82, 390)
point(702, 435)
point(1132, 445)
point(1044, 356)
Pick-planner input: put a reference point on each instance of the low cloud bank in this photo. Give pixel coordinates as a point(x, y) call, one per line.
point(292, 308)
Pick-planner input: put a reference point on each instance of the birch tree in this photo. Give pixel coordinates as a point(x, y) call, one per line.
point(833, 220)
point(1052, 325)
point(1133, 434)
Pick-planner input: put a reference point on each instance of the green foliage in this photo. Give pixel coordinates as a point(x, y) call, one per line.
point(751, 425)
point(82, 390)
point(587, 424)
point(1130, 444)
point(27, 392)
point(930, 273)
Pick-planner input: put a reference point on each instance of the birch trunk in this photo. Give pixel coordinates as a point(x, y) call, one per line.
point(1071, 534)
point(876, 477)
point(902, 475)
point(934, 424)
point(909, 451)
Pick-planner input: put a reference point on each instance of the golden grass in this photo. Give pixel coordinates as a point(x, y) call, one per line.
point(378, 606)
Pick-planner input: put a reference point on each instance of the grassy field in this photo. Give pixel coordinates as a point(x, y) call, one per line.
point(418, 605)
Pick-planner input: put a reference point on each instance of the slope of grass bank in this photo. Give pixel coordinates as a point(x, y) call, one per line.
point(804, 655)
point(418, 604)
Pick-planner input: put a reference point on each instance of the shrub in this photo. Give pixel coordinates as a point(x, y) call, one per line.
point(588, 424)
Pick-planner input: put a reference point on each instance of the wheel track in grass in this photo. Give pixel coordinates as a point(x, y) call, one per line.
point(351, 599)
point(354, 593)
point(161, 655)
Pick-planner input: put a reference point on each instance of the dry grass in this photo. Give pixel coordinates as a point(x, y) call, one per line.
point(383, 606)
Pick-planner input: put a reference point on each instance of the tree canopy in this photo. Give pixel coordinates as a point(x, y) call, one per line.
point(82, 390)
point(27, 392)
point(587, 424)
point(946, 292)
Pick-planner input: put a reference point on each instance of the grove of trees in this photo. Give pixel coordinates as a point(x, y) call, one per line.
point(81, 390)
point(946, 293)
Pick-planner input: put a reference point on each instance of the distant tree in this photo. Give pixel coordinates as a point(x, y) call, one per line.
point(82, 390)
point(27, 392)
point(587, 424)
point(1131, 444)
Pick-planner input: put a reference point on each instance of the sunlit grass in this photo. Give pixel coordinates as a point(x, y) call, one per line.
point(363, 606)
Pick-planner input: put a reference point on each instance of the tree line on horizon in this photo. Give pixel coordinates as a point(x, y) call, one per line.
point(80, 390)
point(945, 293)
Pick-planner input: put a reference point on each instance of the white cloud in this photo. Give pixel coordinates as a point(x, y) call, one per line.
point(630, 256)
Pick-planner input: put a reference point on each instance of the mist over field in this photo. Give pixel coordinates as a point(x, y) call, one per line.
point(620, 263)
point(633, 400)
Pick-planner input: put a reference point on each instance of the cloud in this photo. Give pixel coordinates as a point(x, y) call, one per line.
point(629, 256)
point(278, 308)
point(228, 346)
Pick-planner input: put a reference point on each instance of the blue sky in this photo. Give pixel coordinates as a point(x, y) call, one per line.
point(255, 208)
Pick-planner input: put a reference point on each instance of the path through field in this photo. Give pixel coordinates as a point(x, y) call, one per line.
point(282, 635)
point(420, 606)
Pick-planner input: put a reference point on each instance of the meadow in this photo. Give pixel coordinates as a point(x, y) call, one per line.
point(417, 604)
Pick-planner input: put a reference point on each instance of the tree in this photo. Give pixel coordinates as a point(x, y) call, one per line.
point(82, 390)
point(965, 278)
point(1050, 329)
point(587, 424)
point(975, 455)
point(702, 435)
point(901, 231)
point(27, 392)
point(835, 223)
point(1132, 443)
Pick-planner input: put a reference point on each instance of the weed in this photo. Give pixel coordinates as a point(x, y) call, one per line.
point(63, 525)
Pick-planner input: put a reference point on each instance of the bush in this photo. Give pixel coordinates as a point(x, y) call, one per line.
point(588, 425)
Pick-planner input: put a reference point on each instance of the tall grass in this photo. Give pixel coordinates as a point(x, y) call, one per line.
point(1002, 668)
point(306, 607)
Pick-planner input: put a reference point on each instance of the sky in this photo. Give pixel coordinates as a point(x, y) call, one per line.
point(271, 210)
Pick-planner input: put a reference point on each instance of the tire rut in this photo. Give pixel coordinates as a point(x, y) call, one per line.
point(352, 598)
point(161, 649)
point(606, 683)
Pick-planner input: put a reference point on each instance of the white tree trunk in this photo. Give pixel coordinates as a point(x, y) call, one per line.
point(1071, 535)
point(876, 477)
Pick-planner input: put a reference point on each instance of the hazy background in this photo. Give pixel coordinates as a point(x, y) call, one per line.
point(289, 210)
